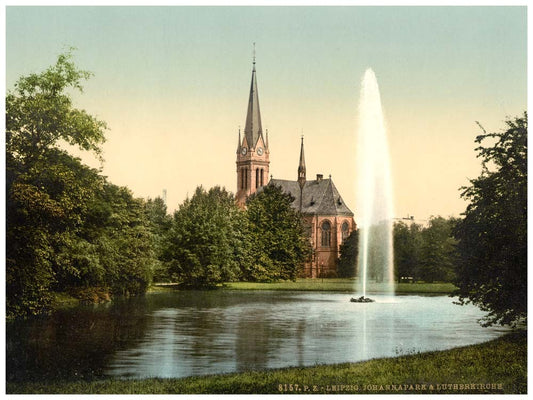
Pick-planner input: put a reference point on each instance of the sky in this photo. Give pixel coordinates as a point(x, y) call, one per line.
point(172, 83)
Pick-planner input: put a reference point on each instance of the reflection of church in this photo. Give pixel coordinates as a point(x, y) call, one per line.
point(329, 219)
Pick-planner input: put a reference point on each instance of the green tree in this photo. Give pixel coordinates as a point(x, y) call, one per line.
point(159, 222)
point(347, 264)
point(204, 244)
point(47, 190)
point(121, 232)
point(40, 113)
point(46, 208)
point(492, 236)
point(279, 243)
point(67, 227)
point(407, 247)
point(437, 253)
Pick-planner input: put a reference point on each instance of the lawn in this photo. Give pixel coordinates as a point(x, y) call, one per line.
point(342, 285)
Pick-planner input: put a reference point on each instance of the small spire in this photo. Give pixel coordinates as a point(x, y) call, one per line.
point(254, 54)
point(301, 166)
point(267, 138)
point(239, 142)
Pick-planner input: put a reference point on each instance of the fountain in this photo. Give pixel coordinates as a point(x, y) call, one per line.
point(361, 299)
point(374, 194)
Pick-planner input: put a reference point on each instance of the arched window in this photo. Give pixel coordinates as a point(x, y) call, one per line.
point(262, 181)
point(326, 234)
point(345, 230)
point(257, 178)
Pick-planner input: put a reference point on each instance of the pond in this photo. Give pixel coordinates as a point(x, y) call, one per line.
point(185, 333)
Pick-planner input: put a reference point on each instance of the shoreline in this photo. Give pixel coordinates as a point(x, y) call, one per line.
point(62, 300)
point(324, 285)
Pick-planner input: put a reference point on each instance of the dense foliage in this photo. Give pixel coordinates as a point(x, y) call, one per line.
point(279, 243)
point(437, 253)
point(204, 243)
point(407, 239)
point(421, 253)
point(159, 222)
point(425, 253)
point(67, 227)
point(119, 242)
point(347, 265)
point(492, 272)
point(211, 240)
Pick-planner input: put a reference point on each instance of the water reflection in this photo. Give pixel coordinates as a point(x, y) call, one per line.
point(196, 333)
point(73, 344)
point(253, 344)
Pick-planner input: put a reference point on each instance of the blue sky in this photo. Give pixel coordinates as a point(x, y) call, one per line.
point(172, 83)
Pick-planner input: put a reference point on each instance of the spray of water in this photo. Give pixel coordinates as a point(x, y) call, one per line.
point(374, 191)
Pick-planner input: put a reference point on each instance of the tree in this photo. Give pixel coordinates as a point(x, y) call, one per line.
point(492, 236)
point(159, 225)
point(124, 243)
point(279, 243)
point(67, 227)
point(437, 253)
point(40, 113)
point(407, 247)
point(47, 190)
point(347, 264)
point(204, 246)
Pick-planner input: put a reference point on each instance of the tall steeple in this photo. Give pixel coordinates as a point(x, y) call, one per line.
point(253, 129)
point(301, 166)
point(253, 152)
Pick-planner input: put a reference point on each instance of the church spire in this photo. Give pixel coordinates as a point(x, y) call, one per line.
point(239, 142)
point(301, 166)
point(253, 155)
point(253, 129)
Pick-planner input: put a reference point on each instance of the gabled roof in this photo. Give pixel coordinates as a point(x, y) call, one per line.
point(320, 197)
point(253, 129)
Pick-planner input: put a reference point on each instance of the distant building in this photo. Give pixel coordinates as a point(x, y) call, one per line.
point(329, 219)
point(410, 220)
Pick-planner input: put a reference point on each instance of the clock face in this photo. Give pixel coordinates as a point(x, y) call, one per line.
point(260, 151)
point(244, 150)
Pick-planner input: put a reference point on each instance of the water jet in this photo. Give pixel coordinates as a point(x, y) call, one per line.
point(374, 191)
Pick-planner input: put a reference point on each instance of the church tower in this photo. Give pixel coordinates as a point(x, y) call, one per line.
point(252, 152)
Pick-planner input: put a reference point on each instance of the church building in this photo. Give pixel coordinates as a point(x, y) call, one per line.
point(329, 220)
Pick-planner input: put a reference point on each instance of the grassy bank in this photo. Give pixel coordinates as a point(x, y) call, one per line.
point(498, 366)
point(342, 285)
point(331, 284)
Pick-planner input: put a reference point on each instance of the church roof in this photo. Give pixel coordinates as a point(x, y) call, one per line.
point(253, 129)
point(320, 197)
